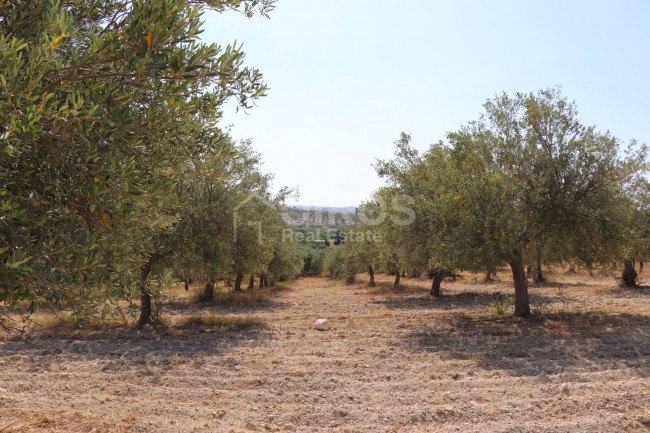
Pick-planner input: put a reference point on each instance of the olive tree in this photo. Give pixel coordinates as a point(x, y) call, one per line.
point(420, 241)
point(526, 173)
point(100, 104)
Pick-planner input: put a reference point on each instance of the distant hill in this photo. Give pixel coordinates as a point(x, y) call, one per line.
point(346, 209)
point(320, 216)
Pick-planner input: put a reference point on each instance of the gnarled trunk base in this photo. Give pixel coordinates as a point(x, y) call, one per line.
point(629, 277)
point(208, 292)
point(488, 276)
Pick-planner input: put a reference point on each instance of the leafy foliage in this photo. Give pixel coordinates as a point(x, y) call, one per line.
point(104, 107)
point(500, 302)
point(526, 177)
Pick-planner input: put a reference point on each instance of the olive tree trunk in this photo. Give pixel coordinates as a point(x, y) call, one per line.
point(488, 275)
point(238, 279)
point(371, 272)
point(522, 305)
point(251, 283)
point(397, 278)
point(208, 292)
point(629, 277)
point(145, 295)
point(435, 284)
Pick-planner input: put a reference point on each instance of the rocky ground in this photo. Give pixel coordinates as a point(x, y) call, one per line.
point(387, 361)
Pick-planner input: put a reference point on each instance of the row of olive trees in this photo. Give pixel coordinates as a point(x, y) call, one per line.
point(525, 184)
point(109, 116)
point(229, 226)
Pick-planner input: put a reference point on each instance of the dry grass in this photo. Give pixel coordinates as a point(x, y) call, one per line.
point(470, 293)
point(216, 320)
point(278, 288)
point(47, 418)
point(44, 324)
point(245, 298)
point(64, 320)
point(391, 362)
point(129, 416)
point(385, 287)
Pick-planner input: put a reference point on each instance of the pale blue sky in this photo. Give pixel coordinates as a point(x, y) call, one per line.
point(347, 76)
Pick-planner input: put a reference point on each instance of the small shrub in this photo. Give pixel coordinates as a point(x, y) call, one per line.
point(501, 302)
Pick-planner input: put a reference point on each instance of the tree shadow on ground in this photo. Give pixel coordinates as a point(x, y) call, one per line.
point(552, 344)
point(124, 348)
point(626, 292)
point(384, 288)
point(229, 302)
point(449, 300)
point(561, 285)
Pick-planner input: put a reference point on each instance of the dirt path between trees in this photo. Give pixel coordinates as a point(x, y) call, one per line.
point(392, 361)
